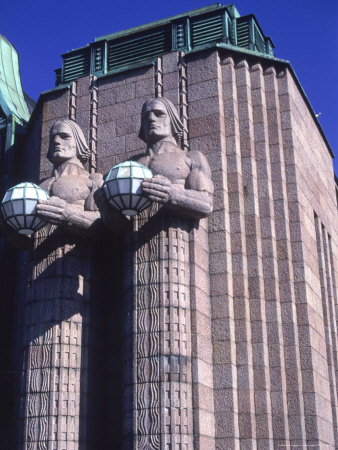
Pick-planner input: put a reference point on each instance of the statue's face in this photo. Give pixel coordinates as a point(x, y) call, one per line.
point(62, 143)
point(156, 121)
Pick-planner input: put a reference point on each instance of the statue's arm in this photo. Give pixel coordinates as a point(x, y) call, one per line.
point(192, 200)
point(87, 220)
point(194, 203)
point(198, 192)
point(57, 211)
point(75, 218)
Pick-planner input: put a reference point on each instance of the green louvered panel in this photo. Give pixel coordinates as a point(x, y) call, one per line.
point(76, 65)
point(259, 40)
point(243, 37)
point(98, 59)
point(269, 47)
point(232, 31)
point(180, 35)
point(138, 47)
point(207, 29)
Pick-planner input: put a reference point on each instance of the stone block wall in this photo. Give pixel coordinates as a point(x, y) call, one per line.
point(273, 290)
point(263, 290)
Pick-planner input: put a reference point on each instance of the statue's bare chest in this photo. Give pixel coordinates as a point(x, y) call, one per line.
point(71, 188)
point(174, 166)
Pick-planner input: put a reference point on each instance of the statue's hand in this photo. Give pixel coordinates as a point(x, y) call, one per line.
point(158, 188)
point(54, 210)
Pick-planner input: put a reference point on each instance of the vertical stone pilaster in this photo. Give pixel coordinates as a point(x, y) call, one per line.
point(334, 285)
point(84, 105)
point(171, 80)
point(286, 252)
point(220, 241)
point(329, 316)
point(158, 388)
point(58, 328)
point(264, 293)
point(243, 202)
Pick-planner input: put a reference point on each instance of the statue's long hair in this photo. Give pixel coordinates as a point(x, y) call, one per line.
point(177, 126)
point(82, 149)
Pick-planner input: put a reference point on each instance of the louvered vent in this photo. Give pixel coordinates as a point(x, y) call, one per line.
point(180, 35)
point(76, 65)
point(232, 31)
point(98, 59)
point(243, 39)
point(190, 31)
point(207, 29)
point(269, 47)
point(138, 48)
point(259, 40)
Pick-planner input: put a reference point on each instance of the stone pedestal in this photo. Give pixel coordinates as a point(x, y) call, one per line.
point(60, 343)
point(158, 383)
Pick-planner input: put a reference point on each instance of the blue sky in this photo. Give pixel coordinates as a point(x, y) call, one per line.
point(305, 32)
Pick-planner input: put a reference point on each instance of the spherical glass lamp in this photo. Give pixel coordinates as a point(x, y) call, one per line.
point(18, 207)
point(123, 189)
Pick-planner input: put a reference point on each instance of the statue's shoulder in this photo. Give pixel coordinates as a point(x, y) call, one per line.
point(200, 175)
point(198, 160)
point(97, 179)
point(46, 183)
point(141, 158)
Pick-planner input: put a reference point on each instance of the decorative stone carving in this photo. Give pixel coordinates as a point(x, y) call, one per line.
point(73, 191)
point(182, 181)
point(61, 309)
point(71, 187)
point(158, 355)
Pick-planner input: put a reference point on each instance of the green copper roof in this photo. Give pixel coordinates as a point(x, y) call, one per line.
point(184, 32)
point(11, 95)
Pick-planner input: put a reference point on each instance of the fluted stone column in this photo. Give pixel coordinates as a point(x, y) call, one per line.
point(158, 387)
point(58, 338)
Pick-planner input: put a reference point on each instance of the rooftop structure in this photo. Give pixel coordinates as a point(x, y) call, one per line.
point(185, 32)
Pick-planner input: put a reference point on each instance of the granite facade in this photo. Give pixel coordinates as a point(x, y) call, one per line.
point(260, 270)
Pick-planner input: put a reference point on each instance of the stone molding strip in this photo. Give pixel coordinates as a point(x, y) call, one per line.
point(93, 124)
point(159, 78)
point(72, 101)
point(183, 103)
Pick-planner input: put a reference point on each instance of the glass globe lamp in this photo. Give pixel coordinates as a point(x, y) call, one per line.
point(18, 207)
point(123, 189)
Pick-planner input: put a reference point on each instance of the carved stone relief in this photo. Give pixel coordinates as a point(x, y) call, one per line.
point(61, 311)
point(158, 381)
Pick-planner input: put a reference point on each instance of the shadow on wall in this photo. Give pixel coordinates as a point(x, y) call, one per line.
point(73, 337)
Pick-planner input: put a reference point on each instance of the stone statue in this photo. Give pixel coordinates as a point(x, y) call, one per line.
point(76, 201)
point(182, 180)
point(71, 187)
point(63, 300)
point(158, 380)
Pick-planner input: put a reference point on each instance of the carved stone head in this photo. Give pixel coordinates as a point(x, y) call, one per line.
point(160, 121)
point(67, 143)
